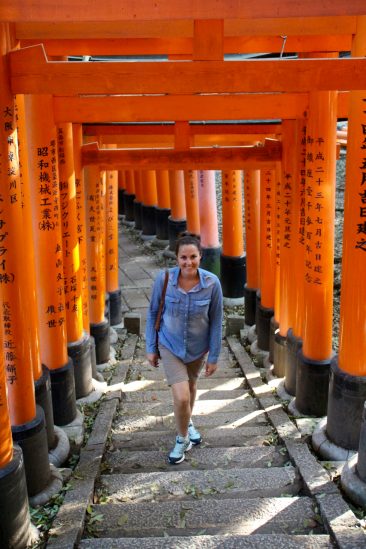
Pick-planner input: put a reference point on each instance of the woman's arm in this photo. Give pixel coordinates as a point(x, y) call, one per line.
point(152, 313)
point(215, 316)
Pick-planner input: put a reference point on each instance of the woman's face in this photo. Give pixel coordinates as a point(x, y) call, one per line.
point(189, 259)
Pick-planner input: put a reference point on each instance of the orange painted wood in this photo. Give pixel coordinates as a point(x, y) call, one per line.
point(267, 238)
point(278, 185)
point(130, 181)
point(112, 10)
point(352, 340)
point(121, 179)
point(81, 224)
point(156, 131)
point(177, 197)
point(208, 39)
point(162, 188)
point(208, 209)
point(6, 439)
point(111, 251)
point(182, 137)
point(30, 279)
point(191, 200)
point(95, 231)
point(287, 226)
point(229, 158)
point(148, 184)
point(138, 184)
point(31, 73)
point(208, 107)
point(252, 233)
point(184, 46)
point(319, 225)
point(70, 240)
point(232, 213)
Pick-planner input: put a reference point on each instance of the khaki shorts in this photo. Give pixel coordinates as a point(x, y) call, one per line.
point(176, 370)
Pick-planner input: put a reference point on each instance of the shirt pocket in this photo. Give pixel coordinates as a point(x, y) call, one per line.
point(172, 305)
point(200, 308)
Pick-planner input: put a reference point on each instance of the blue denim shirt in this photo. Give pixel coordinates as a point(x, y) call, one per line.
point(191, 322)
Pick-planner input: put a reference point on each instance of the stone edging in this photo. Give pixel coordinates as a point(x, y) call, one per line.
point(338, 518)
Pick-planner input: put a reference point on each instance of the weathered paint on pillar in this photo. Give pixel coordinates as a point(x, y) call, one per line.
point(232, 213)
point(252, 196)
point(278, 184)
point(130, 181)
point(267, 238)
point(352, 335)
point(191, 200)
point(319, 224)
point(149, 194)
point(121, 179)
point(177, 198)
point(162, 189)
point(81, 224)
point(112, 231)
point(6, 439)
point(70, 241)
point(208, 209)
point(137, 184)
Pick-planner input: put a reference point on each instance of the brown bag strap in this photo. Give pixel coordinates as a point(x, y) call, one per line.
point(162, 301)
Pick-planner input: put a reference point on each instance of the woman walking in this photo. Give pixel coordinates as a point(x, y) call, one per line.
point(191, 327)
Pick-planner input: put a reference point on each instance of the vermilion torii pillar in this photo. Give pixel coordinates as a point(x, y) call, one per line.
point(252, 197)
point(121, 191)
point(232, 256)
point(129, 196)
point(211, 249)
point(274, 324)
point(177, 221)
point(149, 203)
point(191, 199)
point(78, 342)
point(137, 203)
point(162, 211)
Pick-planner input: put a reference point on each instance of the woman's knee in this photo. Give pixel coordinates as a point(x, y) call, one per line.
point(181, 395)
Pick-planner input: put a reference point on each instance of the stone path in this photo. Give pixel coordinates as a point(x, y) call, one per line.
point(252, 483)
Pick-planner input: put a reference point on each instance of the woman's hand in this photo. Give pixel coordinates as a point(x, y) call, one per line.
point(210, 369)
point(153, 359)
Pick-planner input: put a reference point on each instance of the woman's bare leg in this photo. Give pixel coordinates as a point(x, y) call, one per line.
point(192, 392)
point(182, 406)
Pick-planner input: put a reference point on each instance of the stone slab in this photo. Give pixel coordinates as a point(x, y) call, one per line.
point(203, 383)
point(236, 516)
point(201, 407)
point(122, 461)
point(202, 395)
point(230, 483)
point(158, 374)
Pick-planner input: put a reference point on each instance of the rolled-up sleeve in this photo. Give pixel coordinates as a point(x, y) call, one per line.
point(215, 316)
point(152, 313)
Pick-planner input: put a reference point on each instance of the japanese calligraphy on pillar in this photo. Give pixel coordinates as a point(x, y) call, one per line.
point(95, 210)
point(112, 229)
point(287, 205)
point(192, 184)
point(278, 215)
point(230, 191)
point(361, 218)
point(268, 207)
point(80, 232)
point(302, 185)
point(247, 193)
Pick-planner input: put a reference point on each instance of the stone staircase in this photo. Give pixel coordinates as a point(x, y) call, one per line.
point(239, 488)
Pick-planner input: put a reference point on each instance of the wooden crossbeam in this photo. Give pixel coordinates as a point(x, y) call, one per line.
point(134, 10)
point(196, 108)
point(32, 74)
point(184, 46)
point(138, 130)
point(263, 27)
point(197, 159)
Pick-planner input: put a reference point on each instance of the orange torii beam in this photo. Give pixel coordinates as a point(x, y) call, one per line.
point(196, 159)
point(168, 129)
point(31, 73)
point(135, 10)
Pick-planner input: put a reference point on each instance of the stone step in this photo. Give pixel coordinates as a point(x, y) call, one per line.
point(236, 516)
point(158, 373)
point(188, 485)
point(202, 394)
point(255, 541)
point(201, 407)
point(215, 437)
point(230, 420)
point(204, 383)
point(123, 461)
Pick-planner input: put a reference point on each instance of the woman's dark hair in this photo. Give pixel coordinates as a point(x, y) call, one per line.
point(187, 238)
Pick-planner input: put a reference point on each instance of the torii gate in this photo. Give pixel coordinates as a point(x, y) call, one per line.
point(210, 88)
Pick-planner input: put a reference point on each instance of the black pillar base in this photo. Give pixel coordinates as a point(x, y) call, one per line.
point(148, 220)
point(312, 382)
point(63, 394)
point(174, 229)
point(273, 327)
point(107, 313)
point(279, 352)
point(347, 394)
point(32, 438)
point(294, 345)
point(211, 260)
point(93, 357)
point(137, 206)
point(263, 325)
point(161, 221)
point(15, 525)
point(115, 307)
point(121, 204)
point(100, 332)
point(129, 210)
point(233, 274)
point(79, 351)
point(361, 462)
point(44, 400)
point(250, 302)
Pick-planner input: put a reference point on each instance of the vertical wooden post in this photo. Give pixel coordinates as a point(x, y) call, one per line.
point(313, 368)
point(177, 221)
point(137, 203)
point(121, 191)
point(163, 211)
point(149, 203)
point(95, 230)
point(129, 196)
point(233, 264)
point(274, 324)
point(211, 250)
point(112, 279)
point(191, 200)
point(252, 197)
point(265, 306)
